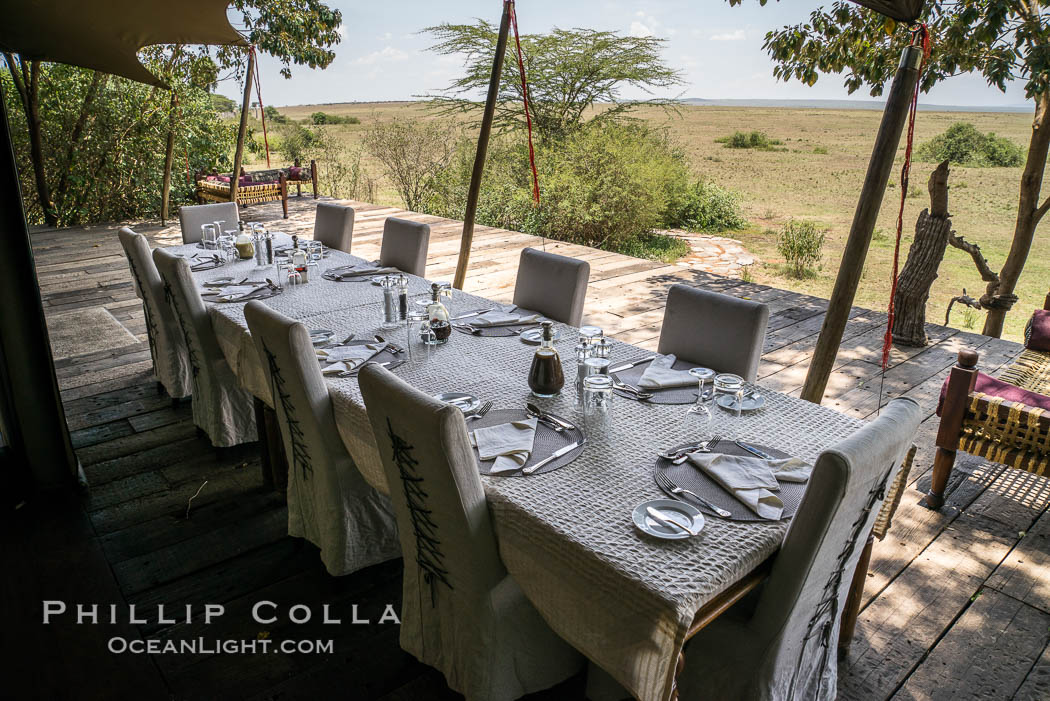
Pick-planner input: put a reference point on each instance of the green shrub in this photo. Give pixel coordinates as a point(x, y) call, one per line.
point(655, 246)
point(962, 143)
point(324, 118)
point(703, 207)
point(608, 186)
point(800, 242)
point(294, 142)
point(273, 116)
point(820, 150)
point(755, 139)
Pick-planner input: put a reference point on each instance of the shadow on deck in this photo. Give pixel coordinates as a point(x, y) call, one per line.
point(956, 605)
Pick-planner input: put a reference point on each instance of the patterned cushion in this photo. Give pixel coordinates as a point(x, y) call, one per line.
point(1037, 332)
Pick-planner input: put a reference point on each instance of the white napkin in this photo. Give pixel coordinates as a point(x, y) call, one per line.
point(360, 271)
point(348, 357)
point(659, 375)
point(232, 292)
point(753, 480)
point(510, 444)
point(501, 316)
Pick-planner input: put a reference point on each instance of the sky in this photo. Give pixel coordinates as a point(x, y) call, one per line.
point(718, 49)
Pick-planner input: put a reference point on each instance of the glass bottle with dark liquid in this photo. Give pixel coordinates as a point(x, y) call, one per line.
point(545, 376)
point(440, 325)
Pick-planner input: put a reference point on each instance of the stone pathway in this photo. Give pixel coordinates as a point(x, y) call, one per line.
point(714, 254)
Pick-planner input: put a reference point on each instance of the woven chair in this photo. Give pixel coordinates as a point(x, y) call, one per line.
point(193, 217)
point(171, 363)
point(405, 245)
point(329, 502)
point(780, 645)
point(462, 612)
point(221, 409)
point(334, 226)
point(1007, 432)
point(715, 330)
point(553, 285)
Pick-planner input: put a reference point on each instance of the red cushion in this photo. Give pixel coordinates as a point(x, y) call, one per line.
point(294, 172)
point(224, 178)
point(986, 384)
point(1037, 333)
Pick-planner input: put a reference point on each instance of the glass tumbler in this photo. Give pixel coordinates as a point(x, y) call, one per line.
point(729, 384)
point(597, 403)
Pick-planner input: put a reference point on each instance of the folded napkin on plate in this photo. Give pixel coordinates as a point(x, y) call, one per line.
point(510, 444)
point(505, 315)
point(753, 480)
point(659, 375)
point(360, 271)
point(231, 292)
point(348, 357)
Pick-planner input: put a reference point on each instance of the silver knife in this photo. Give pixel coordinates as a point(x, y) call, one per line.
point(627, 366)
point(754, 451)
point(469, 314)
point(557, 454)
point(665, 520)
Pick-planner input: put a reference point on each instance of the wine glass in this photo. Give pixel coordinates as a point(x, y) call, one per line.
point(700, 408)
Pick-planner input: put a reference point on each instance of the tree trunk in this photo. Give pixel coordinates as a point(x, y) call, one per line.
point(26, 77)
point(98, 80)
point(1029, 212)
point(169, 154)
point(924, 258)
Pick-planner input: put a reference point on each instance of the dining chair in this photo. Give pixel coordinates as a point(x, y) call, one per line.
point(334, 225)
point(171, 363)
point(553, 285)
point(221, 408)
point(193, 217)
point(329, 502)
point(782, 644)
point(461, 611)
point(717, 331)
point(405, 245)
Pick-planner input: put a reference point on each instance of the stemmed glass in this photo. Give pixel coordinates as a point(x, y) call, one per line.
point(700, 408)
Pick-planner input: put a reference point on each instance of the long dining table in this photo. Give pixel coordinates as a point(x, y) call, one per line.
point(625, 600)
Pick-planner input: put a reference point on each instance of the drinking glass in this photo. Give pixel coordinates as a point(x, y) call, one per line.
point(597, 403)
point(700, 409)
point(590, 333)
point(209, 236)
point(728, 383)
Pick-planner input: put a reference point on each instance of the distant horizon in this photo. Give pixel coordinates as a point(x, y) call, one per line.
point(790, 103)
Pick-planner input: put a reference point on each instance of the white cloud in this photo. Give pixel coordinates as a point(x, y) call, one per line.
point(388, 54)
point(385, 36)
point(640, 30)
point(737, 35)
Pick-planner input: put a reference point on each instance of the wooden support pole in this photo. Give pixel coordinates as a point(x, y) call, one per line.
point(235, 176)
point(871, 194)
point(961, 381)
point(483, 146)
point(169, 157)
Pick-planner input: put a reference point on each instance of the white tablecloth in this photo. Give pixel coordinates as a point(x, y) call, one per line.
point(623, 599)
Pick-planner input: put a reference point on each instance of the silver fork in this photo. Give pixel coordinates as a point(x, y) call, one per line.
point(669, 484)
point(480, 412)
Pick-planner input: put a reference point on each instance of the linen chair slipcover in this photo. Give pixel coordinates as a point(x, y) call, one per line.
point(715, 330)
point(193, 217)
point(462, 613)
point(329, 502)
point(405, 245)
point(171, 364)
point(221, 408)
point(786, 649)
point(553, 285)
point(334, 226)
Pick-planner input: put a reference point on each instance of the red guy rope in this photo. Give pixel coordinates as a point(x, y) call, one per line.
point(525, 99)
point(262, 111)
point(923, 35)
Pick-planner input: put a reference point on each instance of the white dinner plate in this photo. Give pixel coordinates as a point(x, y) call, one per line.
point(728, 401)
point(466, 403)
point(678, 510)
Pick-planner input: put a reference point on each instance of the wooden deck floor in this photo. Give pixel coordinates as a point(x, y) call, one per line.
point(957, 603)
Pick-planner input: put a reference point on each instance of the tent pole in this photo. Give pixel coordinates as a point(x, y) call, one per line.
point(483, 145)
point(852, 264)
point(31, 415)
point(235, 176)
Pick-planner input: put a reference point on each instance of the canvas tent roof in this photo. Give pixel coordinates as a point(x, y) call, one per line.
point(900, 10)
point(107, 35)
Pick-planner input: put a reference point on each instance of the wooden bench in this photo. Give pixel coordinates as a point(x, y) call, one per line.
point(275, 189)
point(1003, 431)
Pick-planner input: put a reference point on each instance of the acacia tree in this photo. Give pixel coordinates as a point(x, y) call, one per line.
point(299, 32)
point(412, 153)
point(569, 71)
point(1003, 40)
